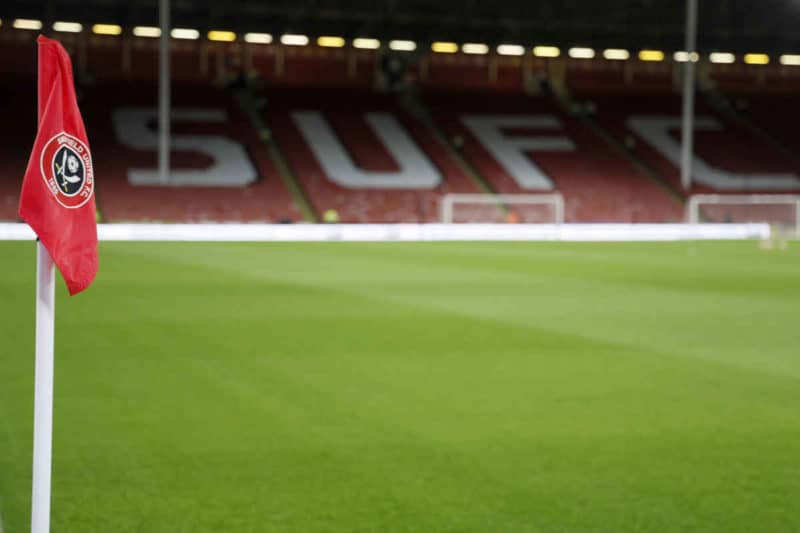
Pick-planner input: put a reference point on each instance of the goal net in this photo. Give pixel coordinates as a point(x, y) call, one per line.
point(503, 208)
point(779, 210)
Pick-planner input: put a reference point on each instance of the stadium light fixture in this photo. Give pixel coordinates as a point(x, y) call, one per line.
point(330, 41)
point(651, 55)
point(510, 50)
point(790, 59)
point(184, 33)
point(67, 27)
point(475, 48)
point(107, 29)
point(616, 54)
point(546, 51)
point(683, 56)
point(403, 46)
point(581, 53)
point(257, 38)
point(366, 44)
point(756, 59)
point(294, 39)
point(721, 57)
point(443, 47)
point(146, 31)
point(27, 24)
point(221, 36)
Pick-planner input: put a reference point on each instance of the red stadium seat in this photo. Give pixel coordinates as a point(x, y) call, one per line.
point(725, 146)
point(597, 184)
point(344, 110)
point(265, 200)
point(19, 109)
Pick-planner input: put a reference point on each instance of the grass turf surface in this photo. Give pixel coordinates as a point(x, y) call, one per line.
point(466, 387)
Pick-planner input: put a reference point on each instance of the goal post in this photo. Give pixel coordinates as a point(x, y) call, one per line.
point(779, 210)
point(499, 208)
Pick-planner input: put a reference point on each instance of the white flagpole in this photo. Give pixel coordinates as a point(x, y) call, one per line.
point(43, 395)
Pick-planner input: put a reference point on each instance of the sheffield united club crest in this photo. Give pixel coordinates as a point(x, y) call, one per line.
point(66, 166)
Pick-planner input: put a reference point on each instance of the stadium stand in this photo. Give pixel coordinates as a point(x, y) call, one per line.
point(597, 183)
point(17, 67)
point(311, 66)
point(265, 199)
point(599, 132)
point(726, 147)
point(767, 98)
point(472, 72)
point(346, 111)
point(645, 116)
point(19, 54)
point(775, 114)
point(111, 80)
point(19, 109)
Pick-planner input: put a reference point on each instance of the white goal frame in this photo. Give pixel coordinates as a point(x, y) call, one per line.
point(696, 200)
point(553, 199)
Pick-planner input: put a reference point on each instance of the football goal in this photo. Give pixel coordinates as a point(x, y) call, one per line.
point(503, 208)
point(779, 210)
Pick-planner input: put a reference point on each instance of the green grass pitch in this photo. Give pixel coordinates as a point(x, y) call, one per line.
point(426, 387)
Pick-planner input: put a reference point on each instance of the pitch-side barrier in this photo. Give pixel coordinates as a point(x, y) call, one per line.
point(411, 232)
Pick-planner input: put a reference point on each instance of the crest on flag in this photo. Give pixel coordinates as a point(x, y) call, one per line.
point(66, 166)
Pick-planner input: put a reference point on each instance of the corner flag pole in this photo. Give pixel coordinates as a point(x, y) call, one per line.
point(62, 213)
point(43, 395)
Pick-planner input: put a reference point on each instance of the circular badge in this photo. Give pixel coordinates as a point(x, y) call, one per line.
point(66, 166)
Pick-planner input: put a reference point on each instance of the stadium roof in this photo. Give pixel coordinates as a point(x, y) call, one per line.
point(730, 25)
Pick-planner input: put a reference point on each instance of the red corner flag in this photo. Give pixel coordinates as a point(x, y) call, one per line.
point(58, 190)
